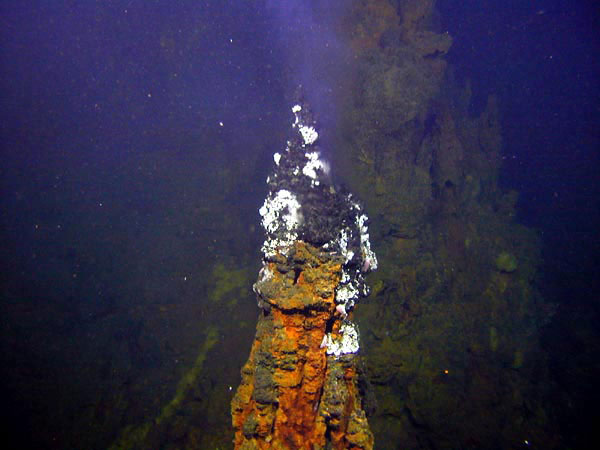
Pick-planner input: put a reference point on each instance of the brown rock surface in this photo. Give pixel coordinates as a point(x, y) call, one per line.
point(293, 395)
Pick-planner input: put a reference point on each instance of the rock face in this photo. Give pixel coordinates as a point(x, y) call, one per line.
point(301, 386)
point(456, 319)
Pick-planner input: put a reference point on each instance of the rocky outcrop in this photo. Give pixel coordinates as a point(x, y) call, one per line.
point(301, 386)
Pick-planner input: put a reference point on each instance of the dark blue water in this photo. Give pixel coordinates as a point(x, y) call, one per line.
point(136, 137)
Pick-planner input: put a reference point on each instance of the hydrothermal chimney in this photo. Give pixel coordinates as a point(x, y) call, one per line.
point(300, 387)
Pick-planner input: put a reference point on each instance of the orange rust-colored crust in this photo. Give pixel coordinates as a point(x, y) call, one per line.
point(292, 395)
